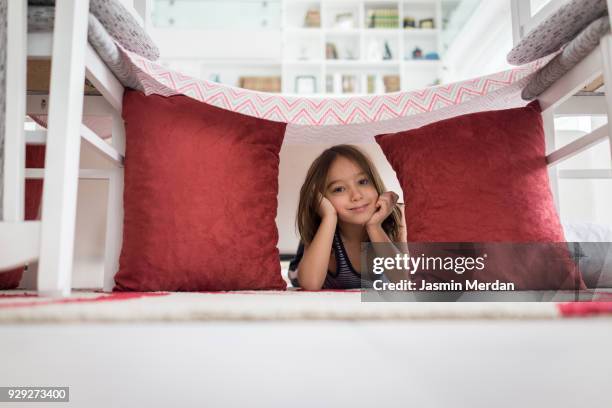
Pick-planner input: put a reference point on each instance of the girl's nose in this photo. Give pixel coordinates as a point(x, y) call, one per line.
point(356, 194)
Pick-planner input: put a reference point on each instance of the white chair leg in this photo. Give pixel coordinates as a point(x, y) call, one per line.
point(606, 52)
point(114, 212)
point(63, 147)
point(114, 228)
point(14, 134)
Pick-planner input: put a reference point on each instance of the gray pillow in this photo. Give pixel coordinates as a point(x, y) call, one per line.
point(556, 30)
point(120, 24)
point(575, 51)
point(101, 41)
point(124, 28)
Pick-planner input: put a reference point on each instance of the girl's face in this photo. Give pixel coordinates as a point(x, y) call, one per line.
point(350, 191)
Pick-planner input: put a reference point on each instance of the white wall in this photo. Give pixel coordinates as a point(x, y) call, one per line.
point(481, 48)
point(217, 44)
point(225, 54)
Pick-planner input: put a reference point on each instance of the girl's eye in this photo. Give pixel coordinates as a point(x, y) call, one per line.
point(338, 189)
point(364, 181)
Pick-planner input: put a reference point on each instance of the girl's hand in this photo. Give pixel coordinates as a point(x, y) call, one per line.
point(384, 207)
point(325, 208)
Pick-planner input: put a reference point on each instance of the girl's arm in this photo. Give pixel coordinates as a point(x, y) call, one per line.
point(403, 231)
point(313, 266)
point(315, 262)
point(378, 235)
point(374, 228)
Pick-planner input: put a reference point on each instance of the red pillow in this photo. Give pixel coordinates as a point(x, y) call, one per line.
point(200, 197)
point(480, 177)
point(35, 158)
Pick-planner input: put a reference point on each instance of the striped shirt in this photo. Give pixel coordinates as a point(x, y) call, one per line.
point(345, 276)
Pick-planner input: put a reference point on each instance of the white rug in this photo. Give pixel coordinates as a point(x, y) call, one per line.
point(89, 306)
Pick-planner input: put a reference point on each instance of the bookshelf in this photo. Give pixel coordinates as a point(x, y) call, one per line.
point(343, 47)
point(321, 47)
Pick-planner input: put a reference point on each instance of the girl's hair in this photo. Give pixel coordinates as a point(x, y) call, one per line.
point(307, 219)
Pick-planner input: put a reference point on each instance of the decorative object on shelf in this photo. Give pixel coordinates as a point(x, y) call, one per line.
point(215, 78)
point(345, 20)
point(409, 22)
point(426, 23)
point(374, 50)
point(392, 83)
point(312, 18)
point(348, 83)
point(432, 56)
point(383, 18)
point(305, 84)
point(417, 53)
point(263, 84)
point(303, 52)
point(387, 55)
point(330, 51)
point(349, 54)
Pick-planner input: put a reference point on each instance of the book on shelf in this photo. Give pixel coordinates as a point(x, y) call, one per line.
point(312, 18)
point(338, 83)
point(427, 23)
point(263, 84)
point(331, 53)
point(392, 83)
point(383, 18)
point(349, 84)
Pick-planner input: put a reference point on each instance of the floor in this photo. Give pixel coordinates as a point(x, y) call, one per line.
point(478, 363)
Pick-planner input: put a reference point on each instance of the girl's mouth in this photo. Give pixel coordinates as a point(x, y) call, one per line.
point(360, 209)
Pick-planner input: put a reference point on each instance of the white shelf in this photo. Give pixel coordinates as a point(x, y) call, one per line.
point(342, 31)
point(422, 63)
point(359, 41)
point(302, 63)
point(356, 31)
point(303, 30)
point(348, 63)
point(383, 32)
point(417, 32)
point(234, 62)
point(362, 63)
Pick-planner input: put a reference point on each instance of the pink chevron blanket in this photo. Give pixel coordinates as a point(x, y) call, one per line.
point(342, 119)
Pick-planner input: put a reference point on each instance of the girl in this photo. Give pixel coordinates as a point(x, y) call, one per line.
point(343, 203)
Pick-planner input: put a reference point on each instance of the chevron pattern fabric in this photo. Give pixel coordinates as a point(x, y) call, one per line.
point(157, 79)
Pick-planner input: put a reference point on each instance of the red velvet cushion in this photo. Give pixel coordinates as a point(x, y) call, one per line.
point(480, 177)
point(200, 197)
point(35, 158)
